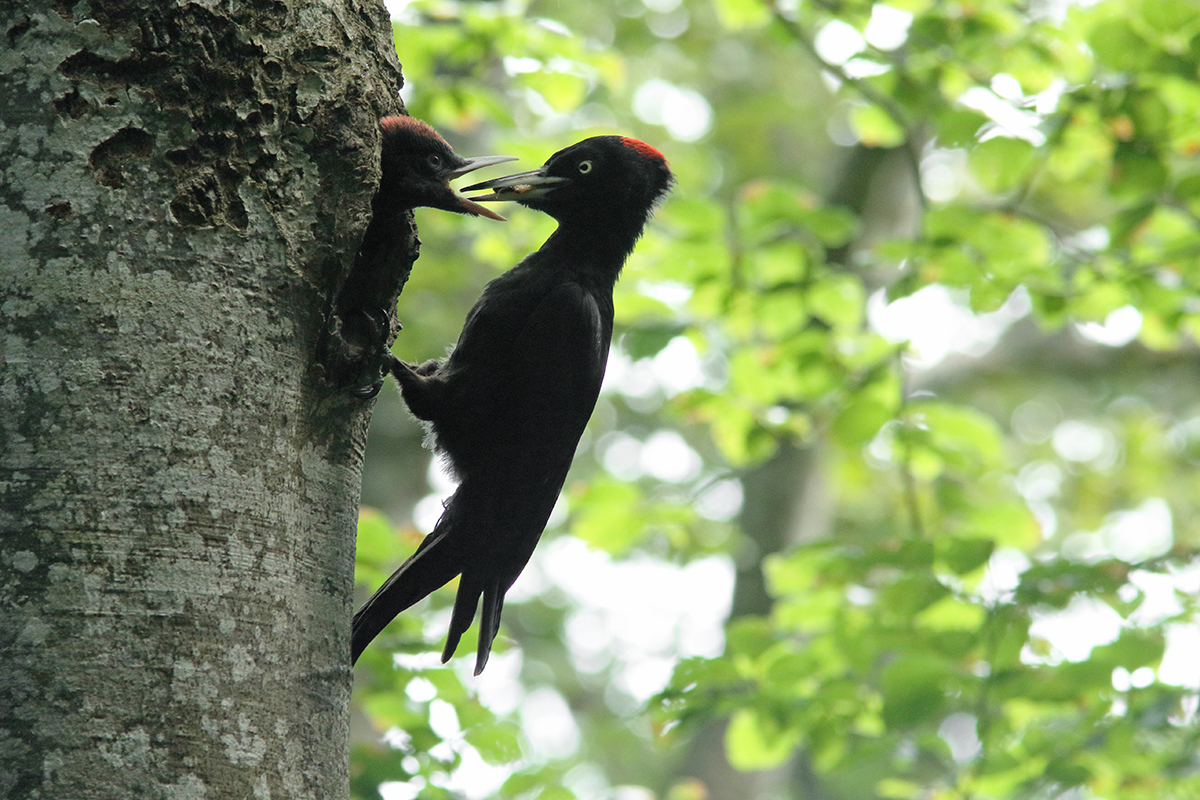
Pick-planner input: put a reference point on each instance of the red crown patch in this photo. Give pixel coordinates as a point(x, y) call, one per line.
point(642, 148)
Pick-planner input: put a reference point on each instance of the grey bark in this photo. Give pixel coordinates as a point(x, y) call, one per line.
point(182, 186)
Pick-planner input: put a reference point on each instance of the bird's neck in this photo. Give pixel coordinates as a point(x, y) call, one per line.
point(595, 248)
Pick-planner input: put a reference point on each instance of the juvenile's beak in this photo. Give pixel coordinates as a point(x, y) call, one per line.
point(522, 186)
point(470, 165)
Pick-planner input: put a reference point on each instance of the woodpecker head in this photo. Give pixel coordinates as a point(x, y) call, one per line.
point(418, 165)
point(602, 181)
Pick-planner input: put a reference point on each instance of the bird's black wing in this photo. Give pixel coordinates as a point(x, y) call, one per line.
point(543, 390)
point(553, 372)
point(556, 367)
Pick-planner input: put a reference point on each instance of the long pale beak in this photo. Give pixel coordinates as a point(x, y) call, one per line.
point(471, 164)
point(522, 186)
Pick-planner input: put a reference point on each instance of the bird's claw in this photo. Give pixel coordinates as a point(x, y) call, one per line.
point(366, 391)
point(376, 319)
point(364, 358)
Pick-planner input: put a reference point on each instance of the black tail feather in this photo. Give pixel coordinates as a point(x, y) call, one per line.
point(430, 568)
point(465, 603)
point(489, 623)
point(452, 547)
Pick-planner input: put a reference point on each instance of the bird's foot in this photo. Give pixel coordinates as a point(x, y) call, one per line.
point(363, 357)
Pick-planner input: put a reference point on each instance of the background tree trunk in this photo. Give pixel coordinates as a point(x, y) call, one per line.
point(787, 499)
point(184, 185)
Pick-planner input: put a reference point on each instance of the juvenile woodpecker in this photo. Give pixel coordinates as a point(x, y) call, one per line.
point(416, 166)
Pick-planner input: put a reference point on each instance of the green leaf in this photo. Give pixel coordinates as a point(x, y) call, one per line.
point(911, 593)
point(377, 542)
point(833, 226)
point(963, 431)
point(610, 516)
point(737, 14)
point(648, 338)
point(1134, 648)
point(957, 126)
point(749, 636)
point(963, 555)
point(1056, 582)
point(754, 742)
point(555, 792)
point(1137, 171)
point(874, 127)
point(952, 614)
point(1170, 16)
point(1118, 46)
point(914, 690)
point(497, 742)
point(1000, 163)
point(864, 415)
point(739, 435)
point(838, 300)
point(1006, 631)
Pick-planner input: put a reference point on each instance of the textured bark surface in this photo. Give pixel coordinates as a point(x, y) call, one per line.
point(182, 186)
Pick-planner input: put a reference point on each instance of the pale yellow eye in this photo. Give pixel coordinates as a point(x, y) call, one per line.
point(585, 167)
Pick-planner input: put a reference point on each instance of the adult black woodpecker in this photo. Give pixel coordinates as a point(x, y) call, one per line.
point(508, 406)
point(416, 166)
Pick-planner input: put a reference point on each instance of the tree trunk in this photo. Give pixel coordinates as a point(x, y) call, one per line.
point(183, 187)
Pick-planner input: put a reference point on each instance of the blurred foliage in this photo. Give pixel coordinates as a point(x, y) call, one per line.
point(1045, 172)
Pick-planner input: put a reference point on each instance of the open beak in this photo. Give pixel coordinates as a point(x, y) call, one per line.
point(522, 186)
point(471, 164)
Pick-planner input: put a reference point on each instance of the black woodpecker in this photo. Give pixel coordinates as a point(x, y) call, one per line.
point(508, 406)
point(416, 166)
